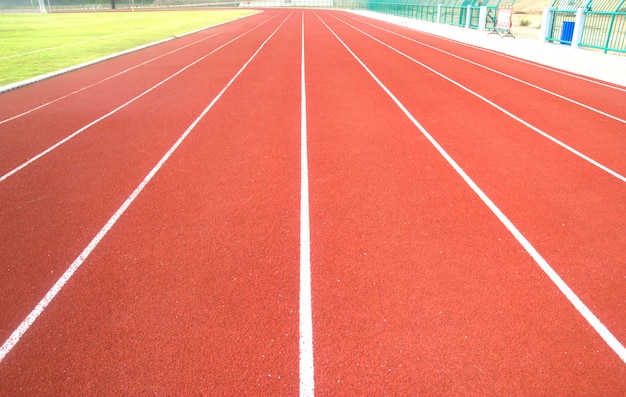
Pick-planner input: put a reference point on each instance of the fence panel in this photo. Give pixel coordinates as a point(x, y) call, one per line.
point(560, 24)
point(490, 23)
point(605, 31)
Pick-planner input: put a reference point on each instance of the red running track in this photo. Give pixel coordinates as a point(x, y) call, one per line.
point(466, 217)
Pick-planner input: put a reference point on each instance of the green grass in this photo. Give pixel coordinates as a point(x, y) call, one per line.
point(35, 44)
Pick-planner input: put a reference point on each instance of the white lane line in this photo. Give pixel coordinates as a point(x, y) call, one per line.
point(587, 314)
point(599, 82)
point(514, 58)
point(103, 80)
point(307, 372)
point(36, 79)
point(500, 108)
point(78, 132)
point(14, 338)
point(573, 101)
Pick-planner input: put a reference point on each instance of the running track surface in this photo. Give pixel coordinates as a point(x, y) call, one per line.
point(307, 202)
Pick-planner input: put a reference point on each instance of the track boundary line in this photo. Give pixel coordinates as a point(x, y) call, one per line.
point(105, 79)
point(571, 296)
point(528, 62)
point(39, 50)
point(541, 66)
point(575, 102)
point(17, 334)
point(498, 107)
point(96, 121)
point(46, 76)
point(306, 363)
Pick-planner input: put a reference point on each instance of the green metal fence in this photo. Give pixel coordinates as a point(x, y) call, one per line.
point(561, 29)
point(451, 12)
point(454, 12)
point(602, 24)
point(425, 10)
point(605, 31)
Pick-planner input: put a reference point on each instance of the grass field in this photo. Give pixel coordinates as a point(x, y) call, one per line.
point(35, 44)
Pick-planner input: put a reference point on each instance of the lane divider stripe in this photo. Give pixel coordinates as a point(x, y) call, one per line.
point(37, 79)
point(563, 97)
point(591, 80)
point(588, 315)
point(96, 121)
point(15, 337)
point(307, 378)
point(43, 105)
point(498, 107)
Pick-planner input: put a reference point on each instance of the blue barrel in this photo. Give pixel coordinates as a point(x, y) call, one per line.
point(567, 33)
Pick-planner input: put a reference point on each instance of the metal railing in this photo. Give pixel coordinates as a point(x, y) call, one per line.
point(450, 12)
point(597, 24)
point(605, 31)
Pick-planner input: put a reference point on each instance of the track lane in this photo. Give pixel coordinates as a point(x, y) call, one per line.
point(584, 95)
point(33, 95)
point(567, 209)
point(86, 180)
point(419, 290)
point(582, 88)
point(587, 130)
point(416, 288)
point(27, 136)
point(200, 276)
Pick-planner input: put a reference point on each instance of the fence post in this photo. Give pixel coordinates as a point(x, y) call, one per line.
point(438, 13)
point(546, 24)
point(579, 27)
point(482, 18)
point(468, 18)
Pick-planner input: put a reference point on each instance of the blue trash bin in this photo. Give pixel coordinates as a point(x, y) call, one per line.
point(567, 33)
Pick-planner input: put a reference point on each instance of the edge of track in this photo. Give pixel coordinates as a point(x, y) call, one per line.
point(36, 79)
point(43, 303)
point(584, 310)
point(544, 65)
